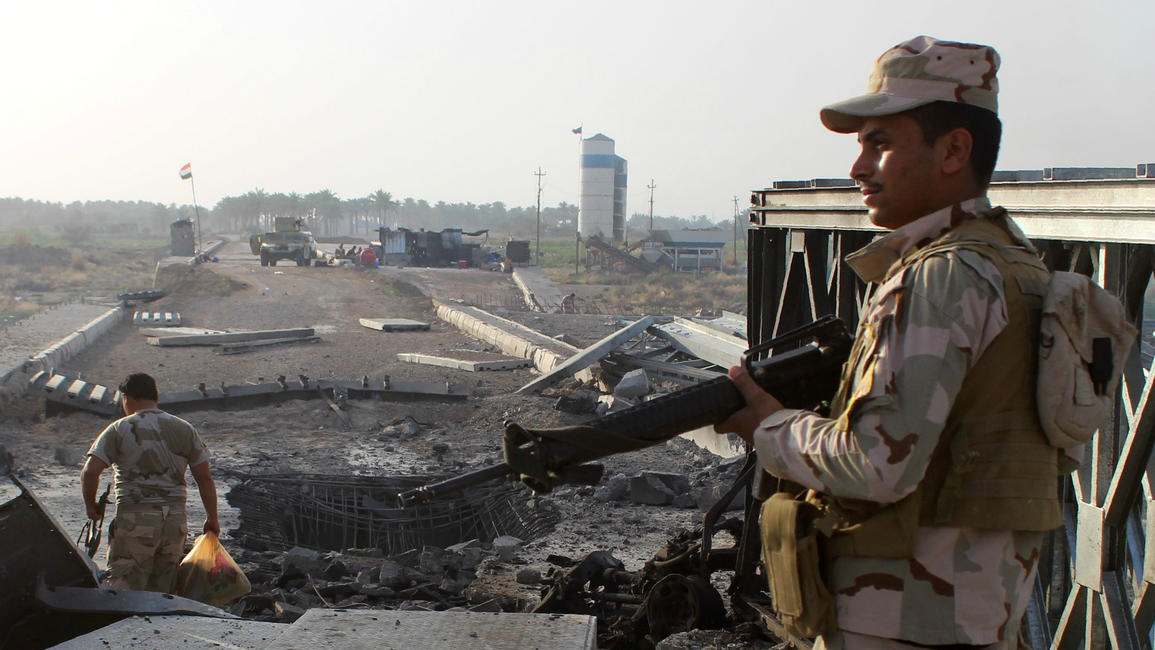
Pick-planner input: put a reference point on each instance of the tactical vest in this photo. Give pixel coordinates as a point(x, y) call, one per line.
point(993, 467)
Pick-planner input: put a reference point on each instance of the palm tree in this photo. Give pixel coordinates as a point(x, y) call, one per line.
point(384, 202)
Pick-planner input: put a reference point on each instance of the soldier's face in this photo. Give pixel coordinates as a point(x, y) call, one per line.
point(895, 171)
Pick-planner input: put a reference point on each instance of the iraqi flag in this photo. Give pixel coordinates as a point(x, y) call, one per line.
point(186, 171)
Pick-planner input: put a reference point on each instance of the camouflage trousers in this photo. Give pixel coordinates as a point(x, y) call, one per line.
point(146, 547)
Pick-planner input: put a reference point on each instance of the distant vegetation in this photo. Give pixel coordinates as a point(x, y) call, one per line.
point(252, 211)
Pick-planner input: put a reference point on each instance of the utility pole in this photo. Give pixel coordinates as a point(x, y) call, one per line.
point(651, 186)
point(539, 174)
point(735, 231)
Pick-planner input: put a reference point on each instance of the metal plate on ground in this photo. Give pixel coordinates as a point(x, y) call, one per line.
point(184, 632)
point(393, 324)
point(342, 629)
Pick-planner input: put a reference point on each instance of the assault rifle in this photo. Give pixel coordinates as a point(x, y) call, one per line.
point(90, 533)
point(804, 376)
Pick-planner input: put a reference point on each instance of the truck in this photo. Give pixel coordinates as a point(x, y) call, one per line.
point(288, 241)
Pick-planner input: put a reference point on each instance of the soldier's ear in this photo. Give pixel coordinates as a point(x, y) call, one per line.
point(954, 149)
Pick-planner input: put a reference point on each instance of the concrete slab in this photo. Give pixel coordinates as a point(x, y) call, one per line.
point(184, 632)
point(539, 292)
point(393, 324)
point(348, 629)
point(703, 342)
point(461, 364)
point(230, 337)
point(588, 356)
point(726, 446)
point(172, 331)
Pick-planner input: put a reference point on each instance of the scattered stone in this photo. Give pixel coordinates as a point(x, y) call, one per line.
point(490, 566)
point(352, 600)
point(459, 548)
point(378, 591)
point(614, 488)
point(368, 576)
point(560, 560)
point(432, 560)
point(393, 575)
point(408, 558)
point(365, 552)
point(685, 501)
point(287, 613)
point(492, 605)
point(254, 543)
point(633, 385)
point(68, 457)
point(657, 488)
point(527, 576)
point(611, 404)
point(336, 570)
point(455, 582)
point(578, 402)
point(506, 547)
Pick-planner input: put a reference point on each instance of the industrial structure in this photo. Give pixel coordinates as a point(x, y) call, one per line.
point(603, 184)
point(691, 251)
point(1095, 587)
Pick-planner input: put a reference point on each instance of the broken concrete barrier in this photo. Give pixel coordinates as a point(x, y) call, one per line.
point(512, 338)
point(616, 487)
point(657, 488)
point(506, 547)
point(635, 384)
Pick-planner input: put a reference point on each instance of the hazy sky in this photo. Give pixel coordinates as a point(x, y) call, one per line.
point(462, 101)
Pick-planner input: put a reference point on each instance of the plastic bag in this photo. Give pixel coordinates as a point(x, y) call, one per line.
point(208, 574)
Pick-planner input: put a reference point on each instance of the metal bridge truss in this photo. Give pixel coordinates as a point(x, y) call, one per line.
point(1096, 579)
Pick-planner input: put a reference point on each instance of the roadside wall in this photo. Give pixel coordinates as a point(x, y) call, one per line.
point(14, 380)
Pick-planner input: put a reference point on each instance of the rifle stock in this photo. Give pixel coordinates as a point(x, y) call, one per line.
point(803, 377)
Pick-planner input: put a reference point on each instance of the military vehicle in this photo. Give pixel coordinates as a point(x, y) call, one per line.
point(288, 241)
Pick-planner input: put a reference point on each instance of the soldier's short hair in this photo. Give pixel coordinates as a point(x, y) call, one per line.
point(938, 118)
point(140, 386)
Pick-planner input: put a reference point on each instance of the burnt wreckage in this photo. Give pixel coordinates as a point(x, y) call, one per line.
point(673, 592)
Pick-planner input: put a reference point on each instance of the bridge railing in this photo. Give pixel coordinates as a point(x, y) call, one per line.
point(1096, 578)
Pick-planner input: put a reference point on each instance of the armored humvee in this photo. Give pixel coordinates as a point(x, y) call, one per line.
point(288, 241)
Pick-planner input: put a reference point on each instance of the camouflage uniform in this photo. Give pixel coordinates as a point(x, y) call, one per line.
point(151, 451)
point(962, 586)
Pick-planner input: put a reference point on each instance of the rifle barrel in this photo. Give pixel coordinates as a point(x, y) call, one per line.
point(427, 493)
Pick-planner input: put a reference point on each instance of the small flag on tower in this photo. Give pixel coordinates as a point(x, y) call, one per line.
point(577, 131)
point(186, 171)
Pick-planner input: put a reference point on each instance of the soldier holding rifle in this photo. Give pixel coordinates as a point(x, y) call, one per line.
point(931, 475)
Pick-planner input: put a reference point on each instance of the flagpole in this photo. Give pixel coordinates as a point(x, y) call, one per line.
point(200, 242)
point(578, 219)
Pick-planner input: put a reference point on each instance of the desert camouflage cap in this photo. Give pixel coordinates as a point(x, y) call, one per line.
point(918, 72)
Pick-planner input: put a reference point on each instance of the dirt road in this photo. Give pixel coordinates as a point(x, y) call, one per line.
point(305, 436)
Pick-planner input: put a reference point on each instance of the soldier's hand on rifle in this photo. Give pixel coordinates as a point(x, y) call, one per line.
point(95, 511)
point(759, 406)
